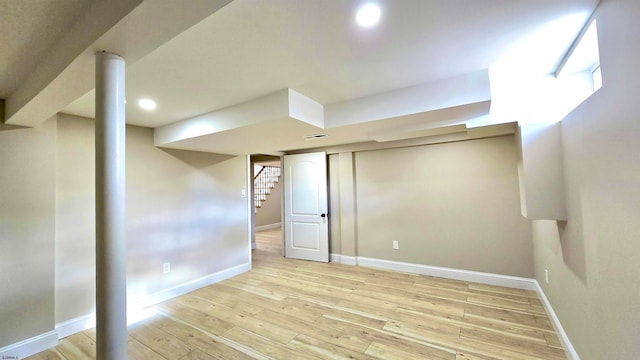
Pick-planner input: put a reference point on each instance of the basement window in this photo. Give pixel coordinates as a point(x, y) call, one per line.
point(584, 57)
point(596, 77)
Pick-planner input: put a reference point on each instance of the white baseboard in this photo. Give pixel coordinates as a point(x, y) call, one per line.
point(76, 325)
point(30, 346)
point(564, 339)
point(349, 260)
point(343, 259)
point(268, 226)
point(448, 273)
point(137, 306)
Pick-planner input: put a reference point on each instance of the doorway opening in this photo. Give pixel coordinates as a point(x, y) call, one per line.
point(266, 191)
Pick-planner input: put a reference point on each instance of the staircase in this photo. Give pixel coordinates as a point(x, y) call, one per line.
point(263, 182)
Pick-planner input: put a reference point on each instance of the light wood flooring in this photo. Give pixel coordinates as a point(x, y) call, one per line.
point(289, 309)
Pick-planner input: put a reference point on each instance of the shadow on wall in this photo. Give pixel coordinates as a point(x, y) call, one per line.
point(573, 248)
point(5, 127)
point(197, 159)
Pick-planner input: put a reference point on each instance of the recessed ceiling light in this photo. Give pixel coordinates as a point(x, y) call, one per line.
point(147, 104)
point(368, 15)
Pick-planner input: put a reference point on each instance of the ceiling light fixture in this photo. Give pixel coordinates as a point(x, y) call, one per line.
point(368, 15)
point(147, 104)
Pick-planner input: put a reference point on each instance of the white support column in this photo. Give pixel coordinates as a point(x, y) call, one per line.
point(111, 287)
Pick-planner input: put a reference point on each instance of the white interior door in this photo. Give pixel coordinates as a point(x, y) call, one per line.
point(306, 231)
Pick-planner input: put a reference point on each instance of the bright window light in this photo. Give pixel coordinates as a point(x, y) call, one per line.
point(147, 104)
point(584, 56)
point(597, 79)
point(368, 15)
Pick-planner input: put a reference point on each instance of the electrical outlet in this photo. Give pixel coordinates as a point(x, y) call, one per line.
point(166, 267)
point(243, 193)
point(546, 275)
point(395, 245)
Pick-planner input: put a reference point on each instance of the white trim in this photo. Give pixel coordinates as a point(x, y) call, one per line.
point(250, 210)
point(448, 273)
point(269, 226)
point(343, 259)
point(76, 325)
point(31, 346)
point(349, 260)
point(564, 338)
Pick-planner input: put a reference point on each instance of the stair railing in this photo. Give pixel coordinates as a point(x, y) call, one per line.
point(263, 182)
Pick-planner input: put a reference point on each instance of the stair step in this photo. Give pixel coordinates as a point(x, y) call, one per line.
point(264, 181)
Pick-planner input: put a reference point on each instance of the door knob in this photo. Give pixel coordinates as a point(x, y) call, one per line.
point(323, 215)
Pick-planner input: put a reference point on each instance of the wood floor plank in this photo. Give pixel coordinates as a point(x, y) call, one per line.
point(325, 349)
point(503, 290)
point(442, 282)
point(160, 341)
point(138, 351)
point(467, 356)
point(208, 322)
point(345, 313)
point(382, 351)
point(263, 345)
point(481, 348)
point(423, 302)
point(513, 343)
point(253, 324)
point(502, 303)
point(77, 346)
point(504, 316)
point(428, 322)
point(51, 354)
point(269, 294)
point(553, 341)
point(425, 349)
point(198, 339)
point(527, 334)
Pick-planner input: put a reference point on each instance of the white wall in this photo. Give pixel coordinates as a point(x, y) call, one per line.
point(452, 205)
point(183, 207)
point(27, 207)
point(593, 258)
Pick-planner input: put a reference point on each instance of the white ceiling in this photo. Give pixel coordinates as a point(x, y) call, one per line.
point(251, 48)
point(28, 28)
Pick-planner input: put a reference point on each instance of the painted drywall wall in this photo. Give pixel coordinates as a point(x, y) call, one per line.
point(452, 205)
point(348, 205)
point(541, 172)
point(183, 207)
point(593, 258)
point(271, 210)
point(335, 242)
point(27, 210)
